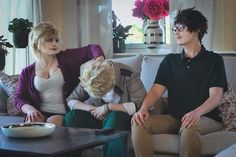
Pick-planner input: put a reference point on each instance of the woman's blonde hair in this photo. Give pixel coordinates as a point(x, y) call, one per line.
point(40, 34)
point(97, 78)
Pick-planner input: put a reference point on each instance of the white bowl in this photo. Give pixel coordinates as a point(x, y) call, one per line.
point(28, 130)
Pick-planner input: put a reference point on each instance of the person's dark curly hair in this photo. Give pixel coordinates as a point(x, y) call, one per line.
point(194, 20)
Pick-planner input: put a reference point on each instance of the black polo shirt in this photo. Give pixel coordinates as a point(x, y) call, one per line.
point(188, 80)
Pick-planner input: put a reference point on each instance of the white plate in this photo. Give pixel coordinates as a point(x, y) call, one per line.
point(28, 130)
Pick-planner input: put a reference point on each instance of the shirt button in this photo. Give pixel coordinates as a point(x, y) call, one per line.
point(188, 66)
point(189, 60)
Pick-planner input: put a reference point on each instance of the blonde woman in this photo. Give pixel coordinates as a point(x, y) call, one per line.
point(44, 85)
point(108, 95)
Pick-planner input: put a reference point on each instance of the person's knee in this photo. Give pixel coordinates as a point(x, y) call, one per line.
point(56, 119)
point(188, 131)
point(190, 135)
point(137, 131)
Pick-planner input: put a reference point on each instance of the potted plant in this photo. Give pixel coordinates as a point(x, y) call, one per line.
point(20, 28)
point(3, 51)
point(120, 33)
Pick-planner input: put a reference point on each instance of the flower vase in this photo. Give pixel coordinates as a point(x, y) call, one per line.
point(153, 34)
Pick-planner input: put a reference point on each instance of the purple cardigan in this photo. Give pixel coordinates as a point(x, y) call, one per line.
point(69, 62)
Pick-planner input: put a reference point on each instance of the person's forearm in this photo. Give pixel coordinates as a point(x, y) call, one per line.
point(76, 104)
point(26, 107)
point(148, 102)
point(116, 107)
point(212, 102)
point(153, 96)
point(207, 106)
point(96, 51)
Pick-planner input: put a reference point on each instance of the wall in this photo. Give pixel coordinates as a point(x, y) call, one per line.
point(228, 25)
point(63, 14)
point(224, 36)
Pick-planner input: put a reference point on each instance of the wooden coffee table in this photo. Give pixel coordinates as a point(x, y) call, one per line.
point(62, 141)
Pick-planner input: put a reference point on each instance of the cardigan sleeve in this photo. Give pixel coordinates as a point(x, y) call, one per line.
point(70, 61)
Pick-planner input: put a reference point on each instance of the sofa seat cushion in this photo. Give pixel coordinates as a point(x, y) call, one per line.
point(212, 143)
point(228, 152)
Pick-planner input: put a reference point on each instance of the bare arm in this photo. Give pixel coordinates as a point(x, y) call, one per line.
point(79, 105)
point(32, 114)
point(116, 107)
point(153, 96)
point(193, 117)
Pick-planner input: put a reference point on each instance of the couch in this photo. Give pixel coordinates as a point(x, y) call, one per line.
point(167, 145)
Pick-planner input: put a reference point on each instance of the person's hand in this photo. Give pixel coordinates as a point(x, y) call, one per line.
point(100, 112)
point(33, 115)
point(140, 117)
point(190, 119)
point(99, 59)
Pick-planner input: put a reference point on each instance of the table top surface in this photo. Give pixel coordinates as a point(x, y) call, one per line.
point(61, 141)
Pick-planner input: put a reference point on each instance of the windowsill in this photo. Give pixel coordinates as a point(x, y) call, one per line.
point(135, 49)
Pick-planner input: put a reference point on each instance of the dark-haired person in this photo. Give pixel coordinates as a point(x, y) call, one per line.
point(195, 80)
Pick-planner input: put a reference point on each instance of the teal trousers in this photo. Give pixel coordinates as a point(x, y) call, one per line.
point(116, 120)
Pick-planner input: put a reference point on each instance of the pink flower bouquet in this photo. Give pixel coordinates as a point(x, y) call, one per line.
point(151, 9)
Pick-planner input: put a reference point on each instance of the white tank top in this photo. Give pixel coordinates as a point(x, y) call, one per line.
point(51, 92)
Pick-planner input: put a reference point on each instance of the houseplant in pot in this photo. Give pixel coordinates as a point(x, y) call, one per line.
point(20, 28)
point(3, 51)
point(120, 33)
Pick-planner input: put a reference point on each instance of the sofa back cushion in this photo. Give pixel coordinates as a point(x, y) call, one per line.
point(8, 83)
point(149, 68)
point(230, 64)
point(135, 61)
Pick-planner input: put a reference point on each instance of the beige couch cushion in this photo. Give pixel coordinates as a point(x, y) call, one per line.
point(135, 61)
point(211, 143)
point(228, 152)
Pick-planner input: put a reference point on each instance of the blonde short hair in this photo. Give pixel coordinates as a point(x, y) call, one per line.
point(40, 34)
point(97, 78)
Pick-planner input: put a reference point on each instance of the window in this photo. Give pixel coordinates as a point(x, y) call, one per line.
point(123, 10)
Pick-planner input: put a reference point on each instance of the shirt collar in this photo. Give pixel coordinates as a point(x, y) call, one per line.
point(183, 57)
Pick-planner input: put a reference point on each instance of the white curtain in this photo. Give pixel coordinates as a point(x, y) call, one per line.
point(10, 9)
point(95, 24)
point(206, 7)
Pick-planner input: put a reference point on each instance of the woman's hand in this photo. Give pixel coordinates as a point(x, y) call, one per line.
point(100, 59)
point(140, 117)
point(32, 114)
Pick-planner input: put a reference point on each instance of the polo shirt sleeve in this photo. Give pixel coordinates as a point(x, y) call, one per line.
point(218, 77)
point(162, 73)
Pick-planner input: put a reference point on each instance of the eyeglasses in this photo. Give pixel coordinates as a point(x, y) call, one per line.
point(179, 28)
